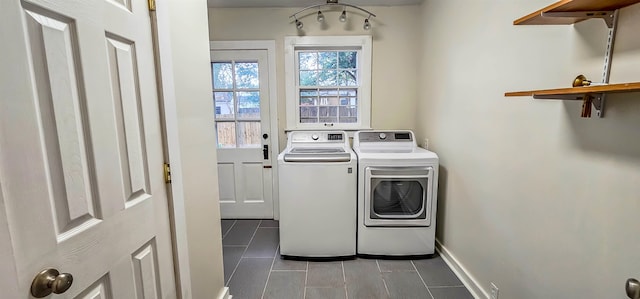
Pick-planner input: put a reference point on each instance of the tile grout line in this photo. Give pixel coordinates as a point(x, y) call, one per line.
point(384, 282)
point(423, 282)
point(344, 279)
point(245, 251)
point(306, 275)
point(270, 269)
point(230, 228)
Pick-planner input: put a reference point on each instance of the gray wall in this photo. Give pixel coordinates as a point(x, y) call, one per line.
point(532, 197)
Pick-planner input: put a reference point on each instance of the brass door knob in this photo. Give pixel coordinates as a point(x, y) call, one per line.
point(50, 281)
point(633, 288)
point(580, 81)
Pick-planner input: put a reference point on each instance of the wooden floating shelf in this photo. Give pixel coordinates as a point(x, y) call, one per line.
point(577, 93)
point(571, 6)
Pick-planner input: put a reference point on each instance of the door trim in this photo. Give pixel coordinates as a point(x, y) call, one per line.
point(270, 47)
point(169, 121)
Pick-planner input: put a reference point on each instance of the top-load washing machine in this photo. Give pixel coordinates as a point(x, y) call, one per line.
point(397, 194)
point(317, 185)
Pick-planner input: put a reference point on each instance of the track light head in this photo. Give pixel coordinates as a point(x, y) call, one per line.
point(367, 25)
point(299, 24)
point(320, 17)
point(343, 16)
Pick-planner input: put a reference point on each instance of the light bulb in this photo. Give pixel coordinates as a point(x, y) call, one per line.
point(320, 17)
point(367, 25)
point(299, 24)
point(343, 16)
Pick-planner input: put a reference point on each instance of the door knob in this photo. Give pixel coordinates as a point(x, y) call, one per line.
point(633, 288)
point(50, 281)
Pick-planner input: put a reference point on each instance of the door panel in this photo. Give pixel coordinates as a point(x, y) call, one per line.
point(81, 150)
point(252, 179)
point(227, 177)
point(239, 78)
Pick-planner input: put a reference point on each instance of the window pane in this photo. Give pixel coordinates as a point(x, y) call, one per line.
point(248, 104)
point(328, 92)
point(249, 134)
point(308, 60)
point(348, 101)
point(347, 78)
point(308, 114)
point(222, 75)
point(348, 111)
point(308, 92)
point(348, 60)
point(224, 104)
point(308, 78)
point(328, 78)
point(308, 101)
point(247, 75)
point(327, 60)
point(226, 134)
point(328, 119)
point(349, 120)
point(328, 111)
point(327, 101)
point(348, 92)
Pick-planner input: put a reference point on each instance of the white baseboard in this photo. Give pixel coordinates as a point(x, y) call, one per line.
point(467, 279)
point(224, 294)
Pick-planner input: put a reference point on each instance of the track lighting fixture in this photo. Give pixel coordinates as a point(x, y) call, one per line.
point(343, 15)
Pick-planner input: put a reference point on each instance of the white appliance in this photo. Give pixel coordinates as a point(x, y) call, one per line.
point(397, 194)
point(317, 185)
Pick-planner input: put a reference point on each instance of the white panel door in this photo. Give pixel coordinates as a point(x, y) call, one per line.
point(81, 182)
point(241, 99)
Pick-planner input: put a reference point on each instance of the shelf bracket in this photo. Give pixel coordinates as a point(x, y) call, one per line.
point(607, 16)
point(608, 57)
point(597, 102)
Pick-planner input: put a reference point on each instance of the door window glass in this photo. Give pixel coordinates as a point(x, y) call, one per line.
point(397, 198)
point(236, 98)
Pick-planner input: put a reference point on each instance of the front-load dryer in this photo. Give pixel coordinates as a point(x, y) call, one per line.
point(397, 194)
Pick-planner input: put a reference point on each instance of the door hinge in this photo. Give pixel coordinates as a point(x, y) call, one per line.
point(152, 5)
point(167, 173)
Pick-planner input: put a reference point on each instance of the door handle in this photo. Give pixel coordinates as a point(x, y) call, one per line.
point(633, 288)
point(50, 281)
point(265, 151)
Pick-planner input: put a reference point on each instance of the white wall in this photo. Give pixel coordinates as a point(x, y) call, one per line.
point(197, 173)
point(532, 197)
point(395, 51)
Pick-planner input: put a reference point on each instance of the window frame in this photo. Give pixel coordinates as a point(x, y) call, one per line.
point(359, 43)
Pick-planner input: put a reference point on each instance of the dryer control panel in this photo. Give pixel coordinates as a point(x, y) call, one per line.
point(386, 136)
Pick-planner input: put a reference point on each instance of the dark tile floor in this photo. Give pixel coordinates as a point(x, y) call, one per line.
point(253, 269)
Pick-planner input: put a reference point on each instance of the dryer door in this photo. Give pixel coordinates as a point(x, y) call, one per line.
point(398, 196)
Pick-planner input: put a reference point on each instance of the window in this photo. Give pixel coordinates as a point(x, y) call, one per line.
point(236, 96)
point(328, 82)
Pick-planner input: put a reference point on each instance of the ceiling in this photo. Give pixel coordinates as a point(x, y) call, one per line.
point(304, 3)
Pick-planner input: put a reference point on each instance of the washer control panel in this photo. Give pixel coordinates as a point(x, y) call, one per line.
point(397, 136)
point(327, 137)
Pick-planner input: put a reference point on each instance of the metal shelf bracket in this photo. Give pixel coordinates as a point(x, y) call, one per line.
point(610, 18)
point(608, 57)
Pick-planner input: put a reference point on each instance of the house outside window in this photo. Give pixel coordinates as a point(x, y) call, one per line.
point(328, 80)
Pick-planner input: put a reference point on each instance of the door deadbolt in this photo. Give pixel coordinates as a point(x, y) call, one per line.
point(50, 281)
